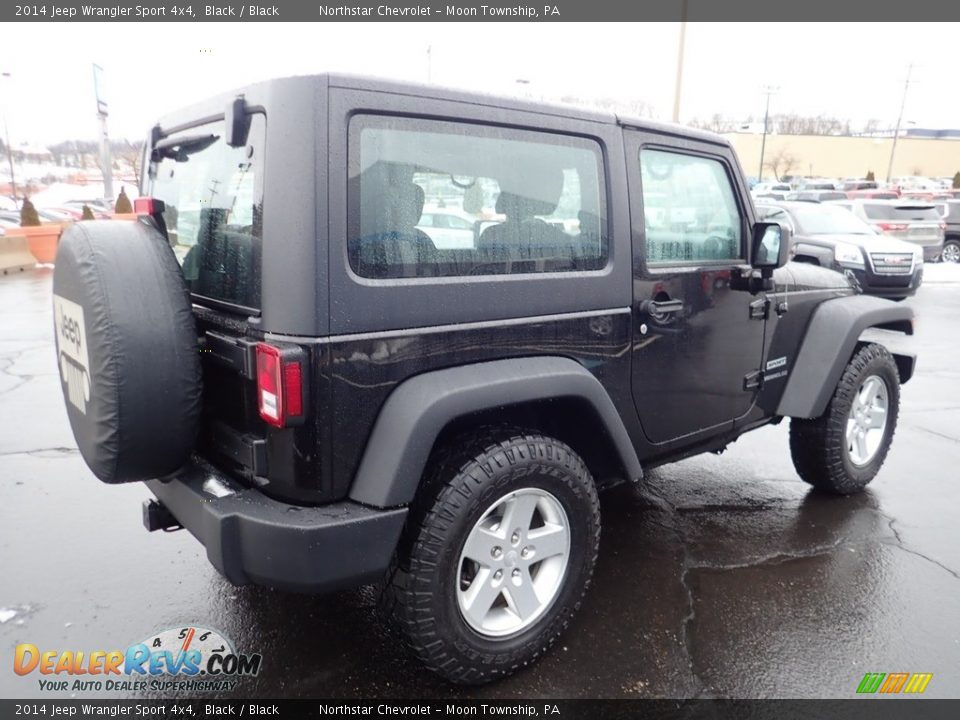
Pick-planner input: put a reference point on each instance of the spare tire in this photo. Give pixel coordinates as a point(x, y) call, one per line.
point(127, 349)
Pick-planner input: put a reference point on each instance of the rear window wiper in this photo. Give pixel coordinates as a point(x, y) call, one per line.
point(180, 148)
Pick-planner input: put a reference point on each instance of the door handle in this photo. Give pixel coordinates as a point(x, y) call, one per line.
point(662, 307)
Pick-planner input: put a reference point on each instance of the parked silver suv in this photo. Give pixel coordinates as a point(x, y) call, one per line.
point(916, 222)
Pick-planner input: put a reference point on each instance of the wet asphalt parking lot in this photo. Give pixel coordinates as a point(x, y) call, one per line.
point(723, 577)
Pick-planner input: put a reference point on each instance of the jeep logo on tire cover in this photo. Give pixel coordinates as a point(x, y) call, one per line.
point(71, 338)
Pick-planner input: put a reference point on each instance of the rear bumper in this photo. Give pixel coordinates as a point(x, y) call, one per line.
point(253, 539)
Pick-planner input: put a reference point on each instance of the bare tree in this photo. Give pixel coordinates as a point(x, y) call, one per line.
point(716, 123)
point(794, 124)
point(132, 154)
point(780, 162)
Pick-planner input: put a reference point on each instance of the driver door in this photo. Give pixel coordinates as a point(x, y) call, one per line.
point(697, 342)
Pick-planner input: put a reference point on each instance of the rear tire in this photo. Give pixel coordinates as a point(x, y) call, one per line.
point(842, 450)
point(473, 613)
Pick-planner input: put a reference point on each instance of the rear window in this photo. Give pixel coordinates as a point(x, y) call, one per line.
point(213, 195)
point(437, 199)
point(880, 211)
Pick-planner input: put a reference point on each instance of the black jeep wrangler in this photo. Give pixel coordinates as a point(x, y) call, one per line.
point(372, 331)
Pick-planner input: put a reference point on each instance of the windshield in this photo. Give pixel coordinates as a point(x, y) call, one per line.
point(213, 195)
point(828, 220)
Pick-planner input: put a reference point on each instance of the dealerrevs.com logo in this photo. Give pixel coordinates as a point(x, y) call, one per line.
point(185, 659)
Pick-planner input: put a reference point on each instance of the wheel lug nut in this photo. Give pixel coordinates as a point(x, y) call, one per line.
point(526, 552)
point(498, 574)
point(516, 537)
point(516, 573)
point(496, 552)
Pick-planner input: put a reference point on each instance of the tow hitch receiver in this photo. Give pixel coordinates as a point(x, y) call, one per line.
point(156, 516)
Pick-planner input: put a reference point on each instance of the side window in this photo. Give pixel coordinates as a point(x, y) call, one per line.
point(433, 199)
point(690, 210)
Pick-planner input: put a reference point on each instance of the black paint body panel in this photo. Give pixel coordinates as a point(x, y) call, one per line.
point(678, 387)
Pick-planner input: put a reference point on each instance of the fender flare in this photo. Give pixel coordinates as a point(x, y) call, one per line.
point(829, 343)
point(421, 407)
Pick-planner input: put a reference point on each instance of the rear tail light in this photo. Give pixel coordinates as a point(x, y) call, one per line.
point(280, 385)
point(147, 206)
point(892, 227)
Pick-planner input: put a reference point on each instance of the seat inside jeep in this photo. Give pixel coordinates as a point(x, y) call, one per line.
point(440, 204)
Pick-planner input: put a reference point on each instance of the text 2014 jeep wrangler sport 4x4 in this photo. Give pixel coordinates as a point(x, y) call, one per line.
point(369, 330)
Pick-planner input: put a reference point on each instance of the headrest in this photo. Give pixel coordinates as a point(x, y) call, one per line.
point(530, 190)
point(518, 207)
point(406, 205)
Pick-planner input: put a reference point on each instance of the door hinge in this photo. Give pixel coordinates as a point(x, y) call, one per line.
point(759, 309)
point(752, 380)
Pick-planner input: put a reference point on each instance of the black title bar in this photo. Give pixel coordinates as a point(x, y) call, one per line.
point(858, 11)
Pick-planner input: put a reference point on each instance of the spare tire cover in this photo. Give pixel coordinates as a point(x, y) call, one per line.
point(127, 349)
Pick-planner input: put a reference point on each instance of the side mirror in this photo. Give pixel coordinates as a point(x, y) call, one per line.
point(771, 247)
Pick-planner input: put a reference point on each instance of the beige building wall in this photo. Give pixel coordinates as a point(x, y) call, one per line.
point(830, 156)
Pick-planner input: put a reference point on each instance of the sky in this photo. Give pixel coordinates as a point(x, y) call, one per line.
point(852, 71)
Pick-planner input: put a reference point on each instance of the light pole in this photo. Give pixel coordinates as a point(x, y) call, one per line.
point(6, 139)
point(768, 90)
point(679, 84)
point(896, 133)
point(106, 158)
point(429, 63)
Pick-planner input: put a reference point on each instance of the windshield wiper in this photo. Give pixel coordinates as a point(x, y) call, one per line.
point(180, 148)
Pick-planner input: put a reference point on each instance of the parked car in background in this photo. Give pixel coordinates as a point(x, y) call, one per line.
point(915, 222)
point(876, 194)
point(54, 215)
point(850, 185)
point(76, 206)
point(816, 195)
point(914, 182)
point(832, 237)
point(818, 185)
point(950, 212)
point(449, 229)
point(777, 191)
point(8, 220)
point(66, 212)
point(925, 195)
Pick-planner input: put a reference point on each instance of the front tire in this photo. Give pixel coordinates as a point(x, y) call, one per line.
point(842, 450)
point(497, 556)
